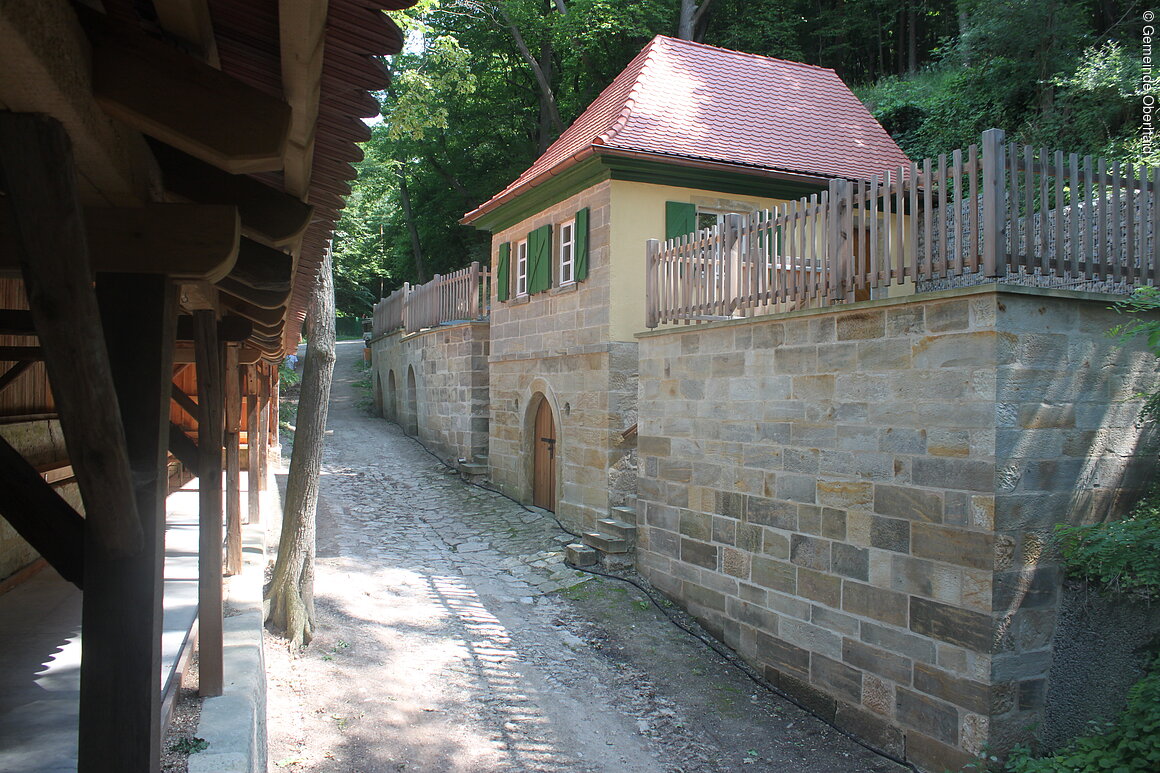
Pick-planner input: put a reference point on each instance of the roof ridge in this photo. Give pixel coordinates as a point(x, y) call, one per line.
point(749, 54)
point(630, 99)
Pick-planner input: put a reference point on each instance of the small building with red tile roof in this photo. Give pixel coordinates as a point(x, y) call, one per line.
point(685, 135)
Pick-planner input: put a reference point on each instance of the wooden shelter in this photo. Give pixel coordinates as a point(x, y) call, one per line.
point(170, 174)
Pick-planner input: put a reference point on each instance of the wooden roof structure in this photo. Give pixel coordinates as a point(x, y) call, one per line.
point(170, 175)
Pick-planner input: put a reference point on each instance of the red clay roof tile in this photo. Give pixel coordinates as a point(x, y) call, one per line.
point(692, 101)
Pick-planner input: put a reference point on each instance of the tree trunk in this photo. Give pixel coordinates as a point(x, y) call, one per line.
point(290, 598)
point(691, 25)
point(547, 96)
point(412, 229)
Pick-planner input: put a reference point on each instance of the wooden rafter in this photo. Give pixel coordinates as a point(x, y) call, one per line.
point(173, 97)
point(302, 35)
point(189, 20)
point(183, 241)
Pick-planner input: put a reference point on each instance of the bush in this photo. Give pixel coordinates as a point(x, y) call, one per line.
point(1122, 555)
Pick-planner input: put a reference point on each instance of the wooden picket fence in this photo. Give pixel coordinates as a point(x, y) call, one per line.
point(1004, 213)
point(459, 296)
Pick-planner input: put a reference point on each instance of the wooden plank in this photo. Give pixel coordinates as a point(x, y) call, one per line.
point(186, 402)
point(1101, 253)
point(209, 557)
point(1076, 210)
point(1060, 179)
point(302, 32)
point(972, 246)
point(263, 299)
point(262, 267)
point(1117, 240)
point(122, 603)
point(21, 353)
point(870, 270)
point(957, 182)
point(257, 314)
point(994, 203)
point(944, 205)
point(182, 446)
point(928, 217)
point(1129, 210)
point(37, 173)
point(1029, 197)
point(268, 215)
point(1017, 234)
point(16, 371)
point(38, 514)
point(16, 322)
point(1090, 220)
point(189, 20)
point(233, 410)
point(173, 97)
point(1154, 267)
point(913, 268)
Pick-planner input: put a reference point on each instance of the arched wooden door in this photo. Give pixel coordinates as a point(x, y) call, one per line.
point(544, 461)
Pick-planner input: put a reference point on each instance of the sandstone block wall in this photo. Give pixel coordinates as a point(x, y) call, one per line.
point(858, 499)
point(556, 346)
point(449, 408)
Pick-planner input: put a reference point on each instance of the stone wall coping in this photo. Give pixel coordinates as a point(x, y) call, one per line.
point(443, 326)
point(880, 303)
point(602, 348)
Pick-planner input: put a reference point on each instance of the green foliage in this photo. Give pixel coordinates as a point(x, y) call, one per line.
point(189, 745)
point(1128, 745)
point(1144, 299)
point(1121, 555)
point(287, 377)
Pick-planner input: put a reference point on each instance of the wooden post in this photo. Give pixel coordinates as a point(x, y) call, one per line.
point(253, 440)
point(122, 609)
point(209, 558)
point(233, 400)
point(39, 180)
point(276, 414)
point(651, 297)
point(263, 423)
point(993, 202)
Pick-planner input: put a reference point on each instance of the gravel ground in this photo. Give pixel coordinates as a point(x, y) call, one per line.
point(451, 637)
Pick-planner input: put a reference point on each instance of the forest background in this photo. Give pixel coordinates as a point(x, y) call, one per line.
point(484, 86)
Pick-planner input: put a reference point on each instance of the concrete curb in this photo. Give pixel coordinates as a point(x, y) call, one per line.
point(234, 723)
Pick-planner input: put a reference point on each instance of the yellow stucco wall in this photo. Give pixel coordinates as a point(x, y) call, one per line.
point(638, 214)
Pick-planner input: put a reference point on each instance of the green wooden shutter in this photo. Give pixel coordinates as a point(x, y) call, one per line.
point(680, 219)
point(502, 285)
point(540, 259)
point(580, 246)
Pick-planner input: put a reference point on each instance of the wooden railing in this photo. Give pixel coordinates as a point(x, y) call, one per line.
point(1004, 213)
point(462, 295)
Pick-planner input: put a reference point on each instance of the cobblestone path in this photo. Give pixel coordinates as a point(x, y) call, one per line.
point(448, 640)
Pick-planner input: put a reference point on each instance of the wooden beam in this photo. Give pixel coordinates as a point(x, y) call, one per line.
point(264, 299)
point(21, 353)
point(183, 241)
point(122, 605)
point(13, 373)
point(247, 355)
point(183, 102)
point(189, 20)
point(40, 516)
point(16, 322)
point(229, 328)
point(182, 446)
point(262, 267)
point(268, 215)
point(185, 401)
point(259, 314)
point(233, 410)
point(44, 58)
point(209, 561)
point(302, 36)
point(37, 173)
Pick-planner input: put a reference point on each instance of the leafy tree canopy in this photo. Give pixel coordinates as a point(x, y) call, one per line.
point(484, 86)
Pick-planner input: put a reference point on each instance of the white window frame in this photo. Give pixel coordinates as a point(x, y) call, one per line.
point(522, 268)
point(567, 252)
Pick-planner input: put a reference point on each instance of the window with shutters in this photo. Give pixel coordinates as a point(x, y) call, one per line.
point(567, 252)
point(522, 268)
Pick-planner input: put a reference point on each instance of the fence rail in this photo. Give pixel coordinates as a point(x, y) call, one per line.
point(1002, 212)
point(462, 295)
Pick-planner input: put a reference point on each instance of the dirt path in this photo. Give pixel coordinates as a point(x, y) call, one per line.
point(452, 638)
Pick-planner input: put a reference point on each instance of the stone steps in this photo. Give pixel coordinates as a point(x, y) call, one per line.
point(612, 545)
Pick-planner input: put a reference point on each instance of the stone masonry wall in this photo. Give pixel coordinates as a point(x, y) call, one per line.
point(856, 499)
point(557, 345)
point(451, 381)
